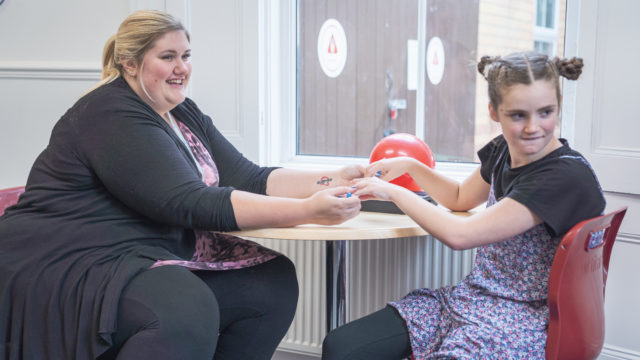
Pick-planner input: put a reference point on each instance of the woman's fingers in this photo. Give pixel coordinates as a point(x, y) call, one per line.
point(336, 205)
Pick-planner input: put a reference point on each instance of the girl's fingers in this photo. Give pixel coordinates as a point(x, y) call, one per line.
point(373, 169)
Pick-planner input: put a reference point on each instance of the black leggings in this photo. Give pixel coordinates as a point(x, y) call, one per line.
point(170, 312)
point(382, 335)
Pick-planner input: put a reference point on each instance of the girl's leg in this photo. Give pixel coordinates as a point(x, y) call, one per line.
point(166, 313)
point(381, 335)
point(257, 305)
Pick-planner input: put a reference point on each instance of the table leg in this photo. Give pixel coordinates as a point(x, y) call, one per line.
point(337, 283)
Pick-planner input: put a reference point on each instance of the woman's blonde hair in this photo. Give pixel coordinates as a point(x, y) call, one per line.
point(136, 35)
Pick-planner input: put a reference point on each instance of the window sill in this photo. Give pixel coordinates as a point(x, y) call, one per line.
point(456, 171)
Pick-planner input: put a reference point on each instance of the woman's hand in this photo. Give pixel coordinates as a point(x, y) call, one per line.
point(348, 173)
point(333, 206)
point(389, 169)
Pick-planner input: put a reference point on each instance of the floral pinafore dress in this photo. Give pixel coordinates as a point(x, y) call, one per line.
point(214, 250)
point(498, 311)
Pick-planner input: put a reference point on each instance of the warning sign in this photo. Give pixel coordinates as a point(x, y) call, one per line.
point(435, 60)
point(332, 48)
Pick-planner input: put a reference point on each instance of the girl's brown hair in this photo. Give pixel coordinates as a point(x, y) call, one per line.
point(525, 68)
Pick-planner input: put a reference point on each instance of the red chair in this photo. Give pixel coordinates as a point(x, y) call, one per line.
point(9, 197)
point(576, 288)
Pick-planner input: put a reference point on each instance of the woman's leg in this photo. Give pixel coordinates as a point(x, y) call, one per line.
point(166, 313)
point(257, 305)
point(382, 335)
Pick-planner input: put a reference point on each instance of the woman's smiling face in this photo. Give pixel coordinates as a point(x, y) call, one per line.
point(165, 72)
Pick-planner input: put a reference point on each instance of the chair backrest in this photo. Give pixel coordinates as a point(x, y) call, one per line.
point(576, 288)
point(9, 197)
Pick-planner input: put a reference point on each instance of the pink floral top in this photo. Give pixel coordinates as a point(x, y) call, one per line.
point(215, 250)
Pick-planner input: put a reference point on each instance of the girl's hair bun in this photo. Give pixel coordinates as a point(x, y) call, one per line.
point(486, 61)
point(569, 68)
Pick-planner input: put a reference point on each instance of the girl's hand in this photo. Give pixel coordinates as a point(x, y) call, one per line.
point(389, 169)
point(333, 206)
point(373, 188)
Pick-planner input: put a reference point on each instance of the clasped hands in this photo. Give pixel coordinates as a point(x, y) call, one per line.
point(359, 183)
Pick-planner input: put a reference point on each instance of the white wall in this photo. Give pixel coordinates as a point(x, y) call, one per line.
point(51, 55)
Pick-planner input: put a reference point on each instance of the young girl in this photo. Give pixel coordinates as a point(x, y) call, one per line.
point(536, 188)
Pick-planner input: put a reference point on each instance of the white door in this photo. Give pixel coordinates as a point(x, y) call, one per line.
point(606, 131)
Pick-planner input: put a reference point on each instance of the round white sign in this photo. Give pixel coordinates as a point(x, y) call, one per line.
point(435, 60)
point(332, 48)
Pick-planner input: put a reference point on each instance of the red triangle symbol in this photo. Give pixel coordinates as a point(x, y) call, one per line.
point(333, 49)
point(435, 58)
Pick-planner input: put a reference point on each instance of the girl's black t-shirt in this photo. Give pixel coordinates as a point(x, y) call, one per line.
point(561, 188)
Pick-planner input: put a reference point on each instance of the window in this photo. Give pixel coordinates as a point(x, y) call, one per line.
point(546, 31)
point(402, 72)
point(545, 13)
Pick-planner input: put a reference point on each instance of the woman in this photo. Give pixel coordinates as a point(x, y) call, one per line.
point(536, 188)
point(110, 252)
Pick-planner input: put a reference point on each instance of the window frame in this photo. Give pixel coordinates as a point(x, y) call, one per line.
point(278, 94)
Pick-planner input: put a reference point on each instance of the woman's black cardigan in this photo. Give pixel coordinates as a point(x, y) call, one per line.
point(114, 191)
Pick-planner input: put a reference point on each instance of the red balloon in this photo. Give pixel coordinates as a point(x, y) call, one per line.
point(401, 144)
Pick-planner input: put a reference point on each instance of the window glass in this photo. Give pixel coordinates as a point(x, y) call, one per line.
point(364, 70)
point(545, 13)
point(544, 47)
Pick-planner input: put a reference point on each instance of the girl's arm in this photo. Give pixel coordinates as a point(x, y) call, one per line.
point(498, 222)
point(453, 195)
point(301, 184)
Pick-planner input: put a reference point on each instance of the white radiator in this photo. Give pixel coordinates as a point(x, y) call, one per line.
point(379, 271)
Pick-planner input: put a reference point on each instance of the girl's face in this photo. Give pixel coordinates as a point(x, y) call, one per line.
point(165, 72)
point(528, 115)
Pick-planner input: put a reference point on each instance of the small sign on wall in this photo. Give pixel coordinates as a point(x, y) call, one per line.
point(435, 60)
point(332, 48)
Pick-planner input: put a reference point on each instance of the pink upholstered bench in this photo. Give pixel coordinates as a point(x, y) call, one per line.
point(9, 197)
